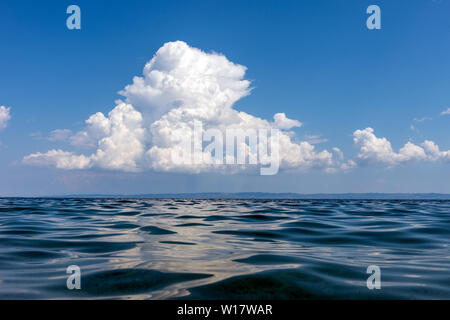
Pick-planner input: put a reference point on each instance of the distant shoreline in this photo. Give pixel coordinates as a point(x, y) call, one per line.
point(260, 195)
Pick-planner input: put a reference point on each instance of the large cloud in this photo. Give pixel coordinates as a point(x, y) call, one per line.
point(379, 150)
point(4, 116)
point(180, 85)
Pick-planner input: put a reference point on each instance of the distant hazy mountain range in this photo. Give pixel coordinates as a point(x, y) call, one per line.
point(263, 195)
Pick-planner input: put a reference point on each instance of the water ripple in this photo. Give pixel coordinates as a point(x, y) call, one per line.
point(224, 249)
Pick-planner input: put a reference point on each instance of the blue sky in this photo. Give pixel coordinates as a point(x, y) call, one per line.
point(315, 61)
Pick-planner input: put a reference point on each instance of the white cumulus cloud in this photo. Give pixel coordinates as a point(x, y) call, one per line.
point(59, 159)
point(283, 123)
point(434, 153)
point(179, 86)
point(5, 116)
point(379, 150)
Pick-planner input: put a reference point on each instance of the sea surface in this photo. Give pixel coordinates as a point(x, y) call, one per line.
point(224, 249)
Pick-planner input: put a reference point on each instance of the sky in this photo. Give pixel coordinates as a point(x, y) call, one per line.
point(94, 110)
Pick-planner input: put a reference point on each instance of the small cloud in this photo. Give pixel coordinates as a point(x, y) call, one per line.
point(415, 129)
point(422, 119)
point(5, 116)
point(339, 153)
point(284, 123)
point(445, 112)
point(350, 164)
point(315, 139)
point(36, 135)
point(58, 158)
point(54, 136)
point(59, 135)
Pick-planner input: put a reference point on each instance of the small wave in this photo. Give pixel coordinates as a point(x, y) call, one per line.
point(224, 249)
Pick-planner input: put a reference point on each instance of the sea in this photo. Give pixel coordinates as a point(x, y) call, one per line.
point(245, 249)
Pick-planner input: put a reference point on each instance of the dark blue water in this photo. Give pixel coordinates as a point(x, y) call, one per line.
point(224, 249)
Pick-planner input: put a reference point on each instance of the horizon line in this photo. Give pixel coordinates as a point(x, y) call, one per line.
point(258, 195)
